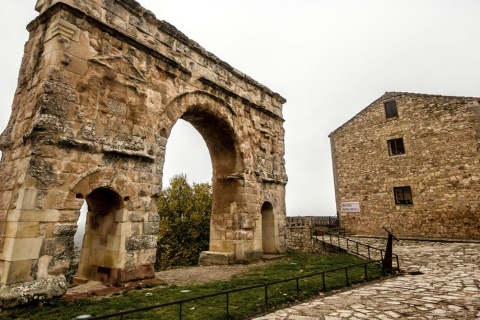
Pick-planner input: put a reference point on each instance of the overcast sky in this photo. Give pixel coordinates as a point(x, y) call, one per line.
point(328, 58)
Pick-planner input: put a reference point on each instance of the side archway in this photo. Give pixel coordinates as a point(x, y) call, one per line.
point(268, 228)
point(101, 247)
point(120, 232)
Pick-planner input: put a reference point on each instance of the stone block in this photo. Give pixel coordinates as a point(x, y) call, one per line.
point(114, 259)
point(136, 216)
point(85, 255)
point(82, 188)
point(81, 51)
point(141, 242)
point(63, 230)
point(77, 66)
point(87, 240)
point(42, 267)
point(5, 200)
point(147, 256)
point(62, 30)
point(4, 266)
point(209, 258)
point(123, 228)
point(122, 216)
point(19, 271)
point(98, 256)
point(150, 228)
point(21, 229)
point(24, 248)
point(37, 215)
point(26, 199)
point(51, 200)
point(115, 243)
point(136, 228)
point(54, 58)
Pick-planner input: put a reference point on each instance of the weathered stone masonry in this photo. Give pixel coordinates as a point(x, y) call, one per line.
point(101, 85)
point(440, 164)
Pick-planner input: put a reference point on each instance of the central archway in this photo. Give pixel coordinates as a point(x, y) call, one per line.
point(214, 119)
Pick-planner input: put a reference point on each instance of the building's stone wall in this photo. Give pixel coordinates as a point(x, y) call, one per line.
point(441, 164)
point(101, 85)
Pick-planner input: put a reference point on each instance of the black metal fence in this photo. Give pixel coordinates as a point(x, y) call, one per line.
point(312, 221)
point(180, 303)
point(358, 248)
point(374, 254)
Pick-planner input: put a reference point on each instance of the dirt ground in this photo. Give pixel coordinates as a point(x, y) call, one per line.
point(177, 276)
point(200, 275)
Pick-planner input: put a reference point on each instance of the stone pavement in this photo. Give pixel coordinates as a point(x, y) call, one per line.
point(447, 288)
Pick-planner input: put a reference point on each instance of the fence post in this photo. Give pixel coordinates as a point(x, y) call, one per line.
point(228, 315)
point(266, 297)
point(298, 291)
point(323, 280)
point(181, 310)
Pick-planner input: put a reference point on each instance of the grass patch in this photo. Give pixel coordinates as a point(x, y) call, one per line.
point(241, 304)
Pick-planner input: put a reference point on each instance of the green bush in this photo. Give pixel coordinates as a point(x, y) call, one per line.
point(184, 229)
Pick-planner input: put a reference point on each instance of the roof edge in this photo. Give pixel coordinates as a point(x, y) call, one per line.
point(392, 94)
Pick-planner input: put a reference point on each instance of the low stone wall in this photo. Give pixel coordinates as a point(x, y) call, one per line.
point(299, 239)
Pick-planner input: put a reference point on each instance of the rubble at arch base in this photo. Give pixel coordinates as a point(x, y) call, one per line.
point(102, 84)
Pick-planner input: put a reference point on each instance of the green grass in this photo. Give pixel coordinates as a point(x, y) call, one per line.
point(241, 304)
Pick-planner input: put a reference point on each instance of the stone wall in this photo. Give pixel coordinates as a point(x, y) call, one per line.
point(441, 165)
point(299, 239)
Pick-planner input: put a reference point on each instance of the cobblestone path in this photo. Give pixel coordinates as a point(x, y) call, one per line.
point(447, 288)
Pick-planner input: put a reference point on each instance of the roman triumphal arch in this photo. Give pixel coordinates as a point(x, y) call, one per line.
point(101, 85)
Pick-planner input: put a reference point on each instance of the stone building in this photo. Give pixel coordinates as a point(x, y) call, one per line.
point(101, 85)
point(410, 163)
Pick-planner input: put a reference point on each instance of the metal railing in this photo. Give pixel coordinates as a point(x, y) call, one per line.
point(227, 294)
point(356, 248)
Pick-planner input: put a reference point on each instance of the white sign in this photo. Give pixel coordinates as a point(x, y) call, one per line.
point(350, 207)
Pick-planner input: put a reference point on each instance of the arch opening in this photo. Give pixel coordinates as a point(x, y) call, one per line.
point(227, 171)
point(101, 250)
point(219, 138)
point(186, 153)
point(268, 228)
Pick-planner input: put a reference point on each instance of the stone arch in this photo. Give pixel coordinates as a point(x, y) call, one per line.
point(214, 119)
point(93, 121)
point(120, 240)
point(268, 228)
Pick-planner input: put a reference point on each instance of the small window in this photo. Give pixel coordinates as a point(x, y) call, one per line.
point(391, 109)
point(396, 147)
point(403, 195)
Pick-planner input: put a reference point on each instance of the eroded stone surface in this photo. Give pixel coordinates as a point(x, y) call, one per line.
point(101, 85)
